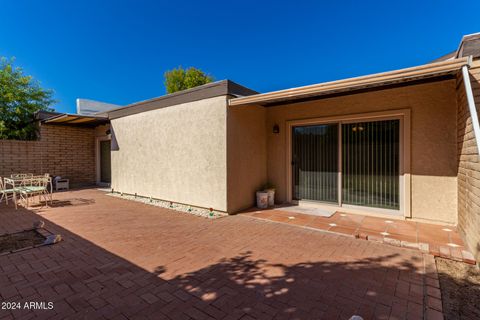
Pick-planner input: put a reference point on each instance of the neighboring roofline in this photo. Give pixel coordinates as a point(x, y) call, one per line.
point(89, 106)
point(446, 57)
point(75, 119)
point(209, 90)
point(466, 37)
point(431, 70)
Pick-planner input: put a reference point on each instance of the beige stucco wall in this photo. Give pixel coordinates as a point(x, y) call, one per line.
point(433, 140)
point(176, 153)
point(246, 155)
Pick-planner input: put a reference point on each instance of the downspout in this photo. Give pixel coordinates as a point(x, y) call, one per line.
point(471, 104)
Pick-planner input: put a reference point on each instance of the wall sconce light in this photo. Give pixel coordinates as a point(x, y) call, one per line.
point(276, 128)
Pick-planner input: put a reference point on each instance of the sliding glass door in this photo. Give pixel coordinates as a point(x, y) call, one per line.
point(370, 164)
point(315, 162)
point(370, 153)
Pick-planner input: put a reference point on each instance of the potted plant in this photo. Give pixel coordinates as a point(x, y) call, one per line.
point(262, 199)
point(270, 189)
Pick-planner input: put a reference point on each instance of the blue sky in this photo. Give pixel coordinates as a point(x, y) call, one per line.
point(117, 51)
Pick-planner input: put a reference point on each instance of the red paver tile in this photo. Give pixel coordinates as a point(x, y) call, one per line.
point(445, 252)
point(123, 259)
point(301, 220)
point(434, 292)
point(279, 217)
point(374, 224)
point(347, 220)
point(343, 230)
point(401, 237)
point(434, 303)
point(433, 233)
point(150, 298)
point(468, 257)
point(319, 223)
point(456, 253)
point(434, 315)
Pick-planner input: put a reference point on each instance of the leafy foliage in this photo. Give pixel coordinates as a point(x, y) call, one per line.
point(180, 79)
point(20, 97)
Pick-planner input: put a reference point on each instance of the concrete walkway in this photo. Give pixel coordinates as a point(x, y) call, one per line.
point(123, 259)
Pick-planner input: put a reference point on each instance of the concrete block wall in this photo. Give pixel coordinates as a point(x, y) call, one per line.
point(61, 151)
point(469, 166)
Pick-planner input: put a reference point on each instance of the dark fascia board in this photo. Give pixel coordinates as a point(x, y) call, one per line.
point(209, 90)
point(48, 118)
point(91, 124)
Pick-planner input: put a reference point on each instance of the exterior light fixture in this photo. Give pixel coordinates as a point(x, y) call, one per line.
point(276, 128)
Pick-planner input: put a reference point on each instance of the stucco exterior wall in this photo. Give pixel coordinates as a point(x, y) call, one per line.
point(433, 147)
point(469, 166)
point(246, 155)
point(175, 153)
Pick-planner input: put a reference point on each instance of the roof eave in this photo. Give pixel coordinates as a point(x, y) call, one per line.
point(76, 119)
point(209, 90)
point(432, 70)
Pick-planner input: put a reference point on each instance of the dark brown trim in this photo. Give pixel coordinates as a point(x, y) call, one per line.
point(90, 124)
point(71, 121)
point(357, 91)
point(210, 90)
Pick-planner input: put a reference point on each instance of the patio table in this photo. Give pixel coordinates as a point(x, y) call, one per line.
point(27, 186)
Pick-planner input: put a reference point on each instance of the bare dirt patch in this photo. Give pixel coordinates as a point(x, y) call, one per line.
point(20, 240)
point(460, 285)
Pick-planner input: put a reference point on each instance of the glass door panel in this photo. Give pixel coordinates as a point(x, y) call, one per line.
point(370, 164)
point(315, 162)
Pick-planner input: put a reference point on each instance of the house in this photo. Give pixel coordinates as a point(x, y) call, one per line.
point(400, 144)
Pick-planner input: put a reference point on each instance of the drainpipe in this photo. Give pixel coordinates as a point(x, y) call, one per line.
point(471, 105)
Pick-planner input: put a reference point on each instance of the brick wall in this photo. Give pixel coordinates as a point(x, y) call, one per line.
point(61, 151)
point(469, 166)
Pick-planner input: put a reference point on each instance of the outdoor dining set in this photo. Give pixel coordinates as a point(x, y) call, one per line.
point(21, 188)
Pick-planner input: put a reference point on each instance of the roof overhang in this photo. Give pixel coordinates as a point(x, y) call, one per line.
point(76, 119)
point(206, 91)
point(431, 71)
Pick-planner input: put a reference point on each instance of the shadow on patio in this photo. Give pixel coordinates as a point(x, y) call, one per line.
point(330, 290)
point(86, 281)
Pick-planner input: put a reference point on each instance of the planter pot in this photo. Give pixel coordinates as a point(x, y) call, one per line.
point(271, 197)
point(262, 199)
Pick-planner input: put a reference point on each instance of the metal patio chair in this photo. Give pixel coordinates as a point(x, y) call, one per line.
point(5, 193)
point(35, 186)
point(21, 175)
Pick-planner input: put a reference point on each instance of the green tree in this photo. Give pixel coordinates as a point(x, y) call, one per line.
point(20, 97)
point(180, 79)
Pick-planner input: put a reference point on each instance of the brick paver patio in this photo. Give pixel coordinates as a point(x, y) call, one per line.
point(123, 259)
point(437, 239)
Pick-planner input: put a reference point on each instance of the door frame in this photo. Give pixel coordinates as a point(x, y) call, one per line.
point(403, 115)
point(98, 169)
